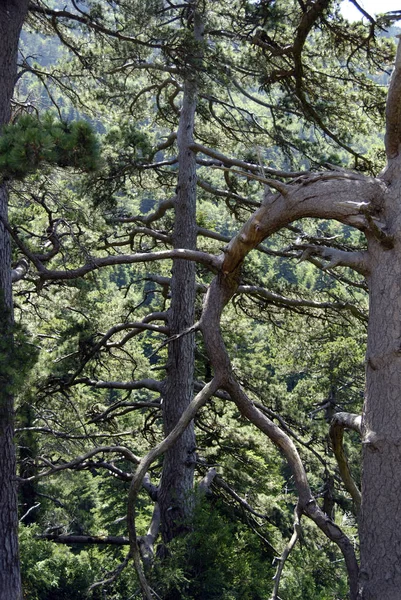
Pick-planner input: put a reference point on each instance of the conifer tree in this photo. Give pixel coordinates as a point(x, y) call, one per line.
point(196, 81)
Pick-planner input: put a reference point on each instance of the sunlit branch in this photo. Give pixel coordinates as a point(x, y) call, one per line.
point(109, 261)
point(19, 271)
point(286, 552)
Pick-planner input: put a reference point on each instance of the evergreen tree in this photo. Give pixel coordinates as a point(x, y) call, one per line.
point(252, 73)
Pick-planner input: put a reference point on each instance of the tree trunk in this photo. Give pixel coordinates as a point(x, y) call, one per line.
point(12, 14)
point(176, 486)
point(380, 527)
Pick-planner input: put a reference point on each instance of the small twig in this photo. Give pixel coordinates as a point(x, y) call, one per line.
point(286, 552)
point(29, 510)
point(112, 575)
point(175, 337)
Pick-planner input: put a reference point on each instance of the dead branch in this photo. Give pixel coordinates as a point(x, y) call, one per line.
point(20, 270)
point(358, 261)
point(76, 462)
point(340, 422)
point(286, 552)
point(112, 540)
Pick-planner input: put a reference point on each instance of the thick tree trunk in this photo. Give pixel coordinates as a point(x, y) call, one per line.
point(176, 486)
point(380, 527)
point(12, 14)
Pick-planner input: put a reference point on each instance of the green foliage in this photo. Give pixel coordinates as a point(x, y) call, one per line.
point(219, 560)
point(52, 571)
point(31, 142)
point(300, 363)
point(18, 356)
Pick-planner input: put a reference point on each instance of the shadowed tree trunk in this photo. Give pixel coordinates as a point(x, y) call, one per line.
point(176, 487)
point(380, 537)
point(12, 14)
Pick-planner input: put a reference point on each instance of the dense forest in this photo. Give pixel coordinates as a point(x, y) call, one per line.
point(200, 275)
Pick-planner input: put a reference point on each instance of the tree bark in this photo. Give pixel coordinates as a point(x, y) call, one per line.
point(380, 526)
point(176, 487)
point(12, 14)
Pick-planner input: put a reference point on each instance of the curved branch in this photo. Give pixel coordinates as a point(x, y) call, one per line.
point(88, 21)
point(326, 195)
point(204, 258)
point(220, 291)
point(76, 462)
point(137, 327)
point(160, 211)
point(340, 422)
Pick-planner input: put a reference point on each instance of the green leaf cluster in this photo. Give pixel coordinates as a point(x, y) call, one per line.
point(30, 142)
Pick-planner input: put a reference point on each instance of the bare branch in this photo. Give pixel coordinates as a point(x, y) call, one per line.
point(149, 384)
point(136, 327)
point(34, 507)
point(253, 167)
point(76, 462)
point(146, 542)
point(20, 270)
point(68, 436)
point(323, 195)
point(126, 408)
point(144, 65)
point(358, 261)
point(88, 21)
point(241, 501)
point(205, 185)
point(112, 575)
point(220, 291)
point(206, 482)
point(340, 422)
point(278, 300)
point(160, 211)
point(204, 258)
point(200, 399)
point(286, 552)
point(113, 540)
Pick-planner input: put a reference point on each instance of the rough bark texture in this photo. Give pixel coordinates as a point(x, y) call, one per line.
point(12, 14)
point(380, 527)
point(175, 495)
